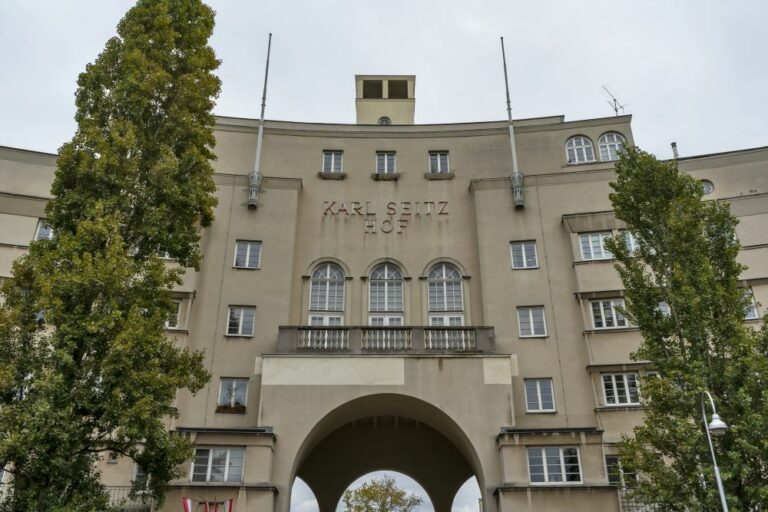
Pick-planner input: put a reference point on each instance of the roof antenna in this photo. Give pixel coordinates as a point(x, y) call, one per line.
point(516, 177)
point(255, 177)
point(614, 103)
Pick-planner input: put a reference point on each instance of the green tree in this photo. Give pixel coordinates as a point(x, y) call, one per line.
point(85, 365)
point(686, 257)
point(380, 495)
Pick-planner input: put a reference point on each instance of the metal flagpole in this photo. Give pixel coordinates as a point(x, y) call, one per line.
point(516, 178)
point(255, 178)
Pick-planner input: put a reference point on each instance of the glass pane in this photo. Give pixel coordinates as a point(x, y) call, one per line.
point(554, 469)
point(241, 254)
point(610, 396)
point(621, 389)
point(337, 162)
point(241, 387)
point(532, 395)
point(200, 465)
point(249, 314)
point(327, 161)
point(632, 389)
point(530, 255)
point(380, 163)
point(433, 163)
point(225, 393)
point(233, 326)
point(218, 465)
point(608, 313)
point(538, 321)
point(597, 317)
point(254, 254)
point(444, 162)
point(517, 255)
point(235, 473)
point(523, 316)
point(571, 460)
point(536, 465)
point(547, 400)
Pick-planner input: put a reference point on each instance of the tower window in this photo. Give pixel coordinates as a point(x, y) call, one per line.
point(438, 162)
point(398, 89)
point(373, 89)
point(384, 121)
point(611, 144)
point(579, 150)
point(332, 161)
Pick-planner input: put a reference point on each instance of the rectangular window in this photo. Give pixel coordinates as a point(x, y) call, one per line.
point(247, 254)
point(218, 465)
point(530, 319)
point(385, 320)
point(620, 389)
point(539, 396)
point(554, 465)
point(524, 254)
point(446, 320)
point(43, 231)
point(233, 392)
point(605, 314)
point(240, 320)
point(751, 313)
point(438, 162)
point(664, 309)
point(385, 162)
point(593, 246)
point(630, 241)
point(332, 161)
point(140, 477)
point(172, 322)
point(617, 475)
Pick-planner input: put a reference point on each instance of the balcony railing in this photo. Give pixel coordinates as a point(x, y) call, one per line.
point(629, 505)
point(120, 497)
point(378, 340)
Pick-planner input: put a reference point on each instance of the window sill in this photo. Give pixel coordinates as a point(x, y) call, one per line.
point(610, 330)
point(594, 260)
point(439, 175)
point(537, 337)
point(526, 268)
point(246, 268)
point(225, 409)
point(623, 407)
point(541, 412)
point(234, 336)
point(386, 176)
point(177, 330)
point(332, 175)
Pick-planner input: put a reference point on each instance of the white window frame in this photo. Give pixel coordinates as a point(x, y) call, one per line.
point(630, 240)
point(540, 406)
point(387, 319)
point(438, 169)
point(623, 476)
point(547, 481)
point(524, 245)
point(443, 283)
point(250, 244)
point(43, 224)
point(336, 155)
point(240, 332)
point(528, 311)
point(593, 239)
point(390, 287)
point(210, 449)
point(609, 149)
point(232, 381)
point(444, 319)
point(752, 313)
point(173, 322)
point(624, 378)
point(580, 151)
point(328, 282)
point(614, 303)
point(136, 468)
point(325, 319)
point(389, 157)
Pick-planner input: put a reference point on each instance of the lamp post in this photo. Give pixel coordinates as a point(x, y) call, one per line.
point(716, 427)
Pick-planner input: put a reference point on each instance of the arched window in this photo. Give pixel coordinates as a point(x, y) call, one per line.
point(446, 301)
point(579, 150)
point(610, 144)
point(385, 296)
point(326, 295)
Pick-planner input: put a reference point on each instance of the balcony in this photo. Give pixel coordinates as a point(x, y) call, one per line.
point(120, 498)
point(385, 340)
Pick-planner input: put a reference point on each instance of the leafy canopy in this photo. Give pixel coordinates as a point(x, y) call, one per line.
point(380, 495)
point(686, 257)
point(85, 364)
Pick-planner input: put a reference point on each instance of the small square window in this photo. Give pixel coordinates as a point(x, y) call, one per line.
point(373, 89)
point(332, 161)
point(44, 231)
point(539, 396)
point(524, 255)
point(247, 254)
point(397, 89)
point(112, 458)
point(438, 162)
point(531, 322)
point(233, 392)
point(385, 162)
point(240, 320)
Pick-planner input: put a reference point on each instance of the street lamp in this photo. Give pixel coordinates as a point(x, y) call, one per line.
point(716, 427)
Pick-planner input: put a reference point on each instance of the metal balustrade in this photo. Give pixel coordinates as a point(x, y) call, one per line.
point(377, 340)
point(627, 504)
point(120, 497)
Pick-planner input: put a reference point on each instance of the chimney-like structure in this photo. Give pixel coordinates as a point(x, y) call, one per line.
point(385, 99)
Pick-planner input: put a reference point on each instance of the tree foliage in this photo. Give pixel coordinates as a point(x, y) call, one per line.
point(380, 495)
point(85, 364)
point(686, 257)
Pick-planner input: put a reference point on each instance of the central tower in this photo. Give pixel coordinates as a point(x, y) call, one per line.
point(385, 99)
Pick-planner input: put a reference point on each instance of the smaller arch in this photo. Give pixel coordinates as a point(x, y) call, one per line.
point(610, 144)
point(378, 261)
point(444, 259)
point(326, 259)
point(383, 473)
point(327, 294)
point(579, 149)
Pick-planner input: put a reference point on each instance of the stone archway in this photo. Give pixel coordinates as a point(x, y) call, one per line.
point(387, 431)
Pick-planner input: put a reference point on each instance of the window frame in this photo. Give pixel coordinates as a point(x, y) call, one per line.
point(606, 255)
point(547, 481)
point(437, 153)
point(539, 402)
point(530, 310)
point(176, 325)
point(623, 477)
point(752, 312)
point(327, 281)
point(523, 244)
point(210, 449)
point(616, 146)
point(625, 382)
point(580, 148)
point(386, 155)
point(42, 224)
point(235, 381)
point(614, 301)
point(240, 333)
point(248, 251)
point(336, 155)
point(444, 282)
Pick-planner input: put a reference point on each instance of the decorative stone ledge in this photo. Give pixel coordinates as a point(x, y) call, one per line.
point(332, 175)
point(386, 177)
point(439, 175)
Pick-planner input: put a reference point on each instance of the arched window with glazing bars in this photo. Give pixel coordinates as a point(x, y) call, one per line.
point(446, 297)
point(385, 296)
point(326, 295)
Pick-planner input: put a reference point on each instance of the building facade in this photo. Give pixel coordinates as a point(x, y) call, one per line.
point(388, 305)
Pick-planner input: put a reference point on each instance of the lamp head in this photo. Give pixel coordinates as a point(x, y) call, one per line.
point(717, 427)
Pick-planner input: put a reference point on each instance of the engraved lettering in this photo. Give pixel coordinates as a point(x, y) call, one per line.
point(406, 208)
point(391, 208)
point(443, 206)
point(368, 210)
point(329, 207)
point(356, 208)
point(386, 226)
point(342, 208)
point(402, 224)
point(370, 226)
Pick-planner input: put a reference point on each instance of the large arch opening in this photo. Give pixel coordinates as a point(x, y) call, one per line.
point(396, 432)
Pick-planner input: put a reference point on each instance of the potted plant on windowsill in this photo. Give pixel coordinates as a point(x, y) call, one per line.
point(236, 408)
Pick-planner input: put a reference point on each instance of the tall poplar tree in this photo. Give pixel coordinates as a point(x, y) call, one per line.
point(686, 257)
point(85, 364)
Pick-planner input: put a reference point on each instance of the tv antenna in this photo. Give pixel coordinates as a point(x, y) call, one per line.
point(614, 103)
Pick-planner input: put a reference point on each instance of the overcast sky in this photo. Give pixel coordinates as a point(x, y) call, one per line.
point(692, 71)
